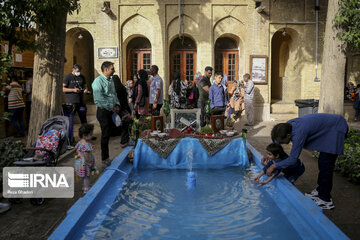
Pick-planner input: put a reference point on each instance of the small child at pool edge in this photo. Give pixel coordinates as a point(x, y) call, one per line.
point(275, 153)
point(85, 161)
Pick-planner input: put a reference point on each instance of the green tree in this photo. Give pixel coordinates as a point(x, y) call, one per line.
point(348, 20)
point(16, 25)
point(17, 21)
point(50, 18)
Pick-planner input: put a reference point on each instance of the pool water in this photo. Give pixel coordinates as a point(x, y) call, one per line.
point(226, 204)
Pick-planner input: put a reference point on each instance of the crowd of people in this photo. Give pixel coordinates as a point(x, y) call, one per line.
point(228, 98)
point(143, 95)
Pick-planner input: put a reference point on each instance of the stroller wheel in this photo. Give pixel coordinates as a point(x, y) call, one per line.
point(37, 201)
point(15, 200)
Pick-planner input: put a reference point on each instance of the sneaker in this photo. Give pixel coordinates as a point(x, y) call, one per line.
point(69, 147)
point(314, 193)
point(323, 204)
point(4, 207)
point(106, 162)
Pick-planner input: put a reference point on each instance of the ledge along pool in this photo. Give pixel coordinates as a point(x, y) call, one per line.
point(150, 203)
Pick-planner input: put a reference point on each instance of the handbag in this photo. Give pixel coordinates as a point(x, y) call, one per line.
point(68, 108)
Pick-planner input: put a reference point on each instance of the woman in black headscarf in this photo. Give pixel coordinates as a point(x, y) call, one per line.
point(179, 93)
point(141, 94)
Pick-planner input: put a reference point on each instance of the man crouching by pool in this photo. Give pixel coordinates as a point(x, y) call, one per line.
point(320, 132)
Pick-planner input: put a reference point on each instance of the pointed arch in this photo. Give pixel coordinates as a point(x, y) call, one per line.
point(144, 27)
point(191, 27)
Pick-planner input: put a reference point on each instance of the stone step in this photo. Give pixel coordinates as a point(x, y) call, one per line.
point(283, 108)
point(282, 117)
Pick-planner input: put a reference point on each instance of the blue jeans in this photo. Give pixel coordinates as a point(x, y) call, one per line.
point(357, 111)
point(17, 120)
point(325, 178)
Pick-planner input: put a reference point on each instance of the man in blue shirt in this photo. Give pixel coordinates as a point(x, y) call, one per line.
point(320, 132)
point(217, 96)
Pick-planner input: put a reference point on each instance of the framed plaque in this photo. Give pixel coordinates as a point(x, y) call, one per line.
point(217, 122)
point(107, 52)
point(258, 69)
point(157, 123)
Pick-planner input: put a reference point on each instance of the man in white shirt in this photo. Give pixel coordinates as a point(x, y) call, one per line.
point(156, 91)
point(248, 99)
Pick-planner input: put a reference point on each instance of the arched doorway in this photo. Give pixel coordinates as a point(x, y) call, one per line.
point(183, 58)
point(279, 59)
point(286, 70)
point(138, 55)
point(227, 57)
point(79, 49)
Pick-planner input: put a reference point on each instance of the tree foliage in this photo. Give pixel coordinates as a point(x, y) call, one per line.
point(16, 25)
point(348, 19)
point(17, 19)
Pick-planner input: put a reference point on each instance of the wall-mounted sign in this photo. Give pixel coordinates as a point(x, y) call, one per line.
point(258, 69)
point(108, 52)
point(18, 57)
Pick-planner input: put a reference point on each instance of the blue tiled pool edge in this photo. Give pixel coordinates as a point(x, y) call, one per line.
point(279, 189)
point(284, 191)
point(80, 210)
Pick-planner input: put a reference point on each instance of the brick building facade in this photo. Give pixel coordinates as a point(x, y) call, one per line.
point(232, 36)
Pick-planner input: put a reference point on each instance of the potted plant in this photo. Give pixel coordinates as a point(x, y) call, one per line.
point(206, 130)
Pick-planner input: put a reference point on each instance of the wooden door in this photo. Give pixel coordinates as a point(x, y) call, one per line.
point(227, 62)
point(184, 62)
point(138, 59)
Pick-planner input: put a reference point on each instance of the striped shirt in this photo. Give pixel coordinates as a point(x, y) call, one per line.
point(15, 98)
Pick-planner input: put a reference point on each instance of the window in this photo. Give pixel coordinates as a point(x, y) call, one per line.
point(227, 58)
point(138, 56)
point(183, 62)
point(183, 58)
point(227, 63)
point(139, 59)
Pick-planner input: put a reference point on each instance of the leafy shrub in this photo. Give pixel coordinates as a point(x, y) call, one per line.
point(206, 129)
point(349, 163)
point(144, 123)
point(10, 151)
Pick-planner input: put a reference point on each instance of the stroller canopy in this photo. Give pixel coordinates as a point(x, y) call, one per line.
point(60, 123)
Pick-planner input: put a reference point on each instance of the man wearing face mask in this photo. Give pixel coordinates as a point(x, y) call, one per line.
point(74, 86)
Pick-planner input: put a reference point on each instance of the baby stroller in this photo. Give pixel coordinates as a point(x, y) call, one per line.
point(49, 153)
point(59, 124)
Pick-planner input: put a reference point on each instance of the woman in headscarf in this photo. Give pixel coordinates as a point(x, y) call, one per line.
point(179, 93)
point(141, 94)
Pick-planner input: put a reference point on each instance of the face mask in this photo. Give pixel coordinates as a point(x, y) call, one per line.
point(77, 74)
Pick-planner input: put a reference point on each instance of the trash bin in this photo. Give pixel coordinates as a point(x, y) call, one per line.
point(307, 106)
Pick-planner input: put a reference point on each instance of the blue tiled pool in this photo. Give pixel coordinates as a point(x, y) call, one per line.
point(226, 204)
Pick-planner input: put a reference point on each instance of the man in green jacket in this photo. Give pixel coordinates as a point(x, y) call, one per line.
point(107, 103)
